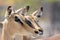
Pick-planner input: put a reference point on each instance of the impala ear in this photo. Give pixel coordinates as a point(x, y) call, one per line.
point(9, 11)
point(38, 13)
point(23, 10)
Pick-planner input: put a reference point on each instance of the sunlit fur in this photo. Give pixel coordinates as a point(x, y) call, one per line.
point(11, 27)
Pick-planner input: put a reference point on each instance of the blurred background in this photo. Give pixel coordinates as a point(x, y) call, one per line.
point(50, 20)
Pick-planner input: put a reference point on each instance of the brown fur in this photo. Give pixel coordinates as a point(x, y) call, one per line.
point(10, 27)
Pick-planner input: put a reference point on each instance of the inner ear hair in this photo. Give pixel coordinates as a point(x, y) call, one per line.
point(27, 7)
point(9, 10)
point(41, 8)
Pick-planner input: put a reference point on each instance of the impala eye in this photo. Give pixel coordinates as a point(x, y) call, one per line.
point(29, 23)
point(18, 20)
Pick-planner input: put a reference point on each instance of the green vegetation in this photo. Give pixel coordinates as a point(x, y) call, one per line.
point(34, 4)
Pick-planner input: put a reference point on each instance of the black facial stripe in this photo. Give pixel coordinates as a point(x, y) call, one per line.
point(37, 24)
point(18, 20)
point(29, 23)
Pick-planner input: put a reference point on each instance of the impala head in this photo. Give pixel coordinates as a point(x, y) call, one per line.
point(28, 22)
point(33, 19)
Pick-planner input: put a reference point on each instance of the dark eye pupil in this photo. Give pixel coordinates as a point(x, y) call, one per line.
point(18, 20)
point(29, 23)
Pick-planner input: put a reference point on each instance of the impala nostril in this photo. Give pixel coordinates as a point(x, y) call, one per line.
point(36, 32)
point(40, 30)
